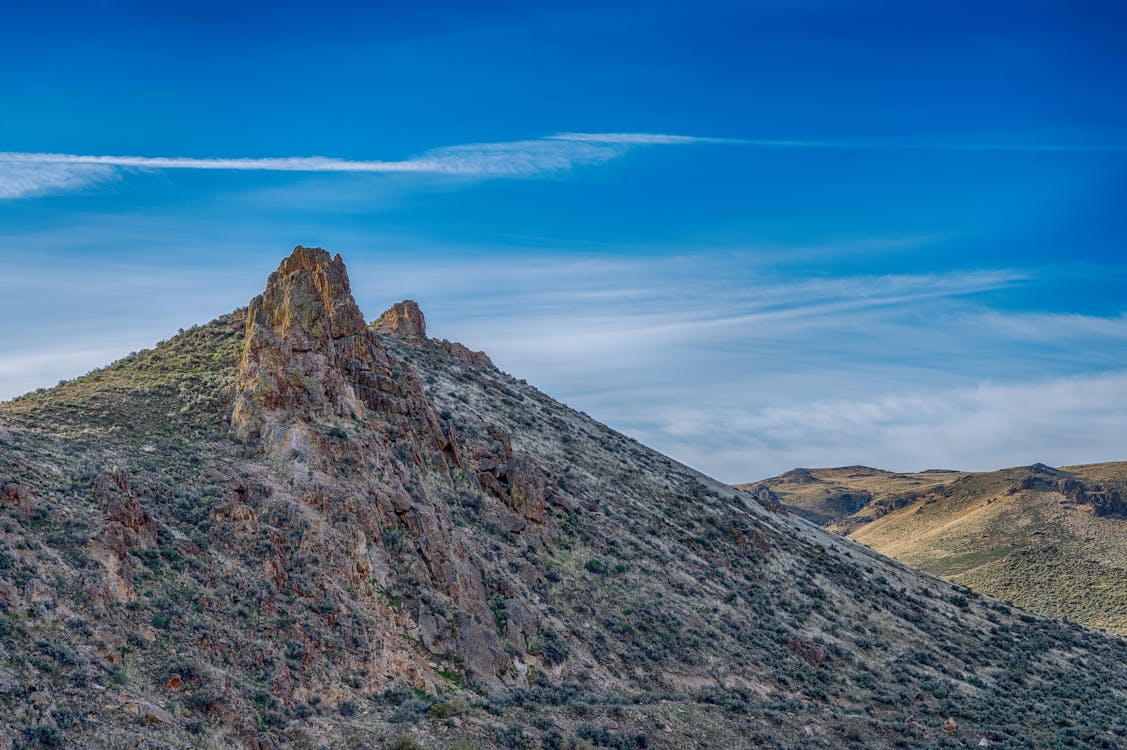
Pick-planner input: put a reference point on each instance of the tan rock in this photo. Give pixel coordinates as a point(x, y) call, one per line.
point(308, 360)
point(38, 592)
point(515, 479)
point(528, 488)
point(481, 649)
point(318, 391)
point(403, 320)
point(121, 506)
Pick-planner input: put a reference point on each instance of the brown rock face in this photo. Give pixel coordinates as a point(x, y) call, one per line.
point(513, 478)
point(320, 393)
point(298, 332)
point(464, 353)
point(807, 650)
point(403, 320)
point(309, 360)
point(127, 526)
point(14, 494)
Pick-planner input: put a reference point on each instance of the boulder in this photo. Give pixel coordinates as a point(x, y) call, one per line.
point(10, 599)
point(482, 652)
point(515, 479)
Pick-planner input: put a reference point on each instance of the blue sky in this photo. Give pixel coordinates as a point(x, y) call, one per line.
point(753, 235)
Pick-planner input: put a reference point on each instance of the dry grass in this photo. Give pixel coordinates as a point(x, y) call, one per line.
point(987, 531)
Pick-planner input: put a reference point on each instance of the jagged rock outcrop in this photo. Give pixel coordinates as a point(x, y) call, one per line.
point(767, 497)
point(321, 394)
point(126, 526)
point(1105, 501)
point(309, 362)
point(403, 320)
point(464, 353)
point(514, 478)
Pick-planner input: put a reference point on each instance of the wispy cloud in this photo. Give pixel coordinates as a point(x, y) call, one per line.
point(640, 139)
point(28, 174)
point(928, 144)
point(22, 178)
point(516, 158)
point(1057, 326)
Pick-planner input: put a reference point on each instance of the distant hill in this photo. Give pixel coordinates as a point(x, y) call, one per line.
point(295, 528)
point(1053, 540)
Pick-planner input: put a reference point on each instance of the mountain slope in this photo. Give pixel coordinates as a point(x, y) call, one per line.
point(1053, 540)
point(289, 529)
point(852, 495)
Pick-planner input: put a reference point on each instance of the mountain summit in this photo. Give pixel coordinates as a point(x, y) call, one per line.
point(288, 528)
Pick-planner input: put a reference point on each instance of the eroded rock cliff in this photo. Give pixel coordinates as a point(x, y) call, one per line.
point(361, 442)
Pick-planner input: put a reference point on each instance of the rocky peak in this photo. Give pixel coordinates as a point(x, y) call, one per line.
point(298, 331)
point(308, 272)
point(365, 446)
point(311, 367)
point(403, 320)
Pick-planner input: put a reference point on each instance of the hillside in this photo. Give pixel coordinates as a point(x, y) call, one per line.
point(846, 498)
point(1052, 540)
point(291, 528)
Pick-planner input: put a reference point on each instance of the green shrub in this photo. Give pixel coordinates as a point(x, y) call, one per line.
point(551, 647)
point(448, 708)
point(597, 566)
point(44, 735)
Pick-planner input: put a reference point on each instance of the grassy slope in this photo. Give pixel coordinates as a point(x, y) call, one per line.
point(1028, 547)
point(985, 531)
point(851, 494)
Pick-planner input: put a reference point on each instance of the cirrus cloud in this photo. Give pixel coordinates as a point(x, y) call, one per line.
point(27, 174)
point(24, 174)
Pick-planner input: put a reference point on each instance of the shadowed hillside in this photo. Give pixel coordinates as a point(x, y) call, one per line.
point(288, 528)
